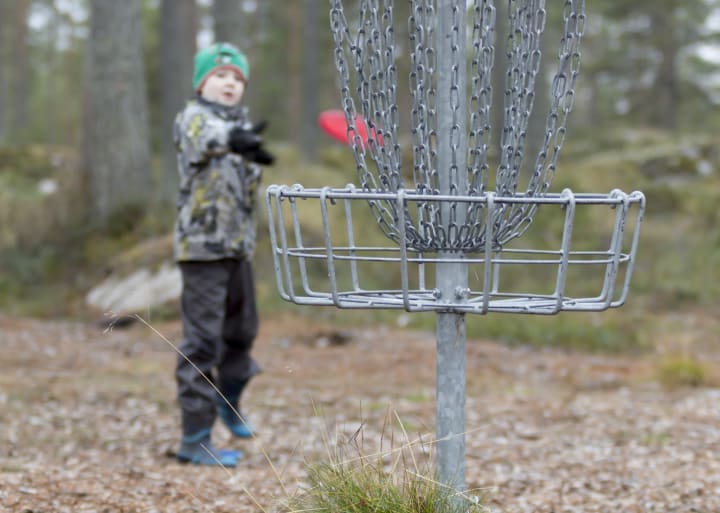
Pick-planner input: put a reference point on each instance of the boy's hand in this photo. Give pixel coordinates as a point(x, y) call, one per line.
point(248, 143)
point(261, 156)
point(241, 140)
point(259, 127)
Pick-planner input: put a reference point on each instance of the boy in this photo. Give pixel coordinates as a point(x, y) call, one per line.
point(218, 156)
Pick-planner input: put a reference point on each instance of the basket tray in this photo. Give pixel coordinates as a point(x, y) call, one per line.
point(339, 257)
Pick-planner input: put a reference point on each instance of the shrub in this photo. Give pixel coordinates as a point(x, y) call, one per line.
point(392, 481)
point(681, 371)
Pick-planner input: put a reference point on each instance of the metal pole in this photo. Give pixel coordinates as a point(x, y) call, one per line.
point(451, 278)
point(450, 399)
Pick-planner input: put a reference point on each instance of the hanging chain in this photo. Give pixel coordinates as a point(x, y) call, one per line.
point(422, 73)
point(421, 28)
point(370, 54)
point(526, 24)
point(483, 60)
point(562, 100)
point(482, 63)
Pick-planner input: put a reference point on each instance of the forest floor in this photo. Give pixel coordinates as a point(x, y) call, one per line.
point(88, 421)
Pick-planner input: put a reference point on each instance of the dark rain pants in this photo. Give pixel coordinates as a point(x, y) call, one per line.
point(220, 322)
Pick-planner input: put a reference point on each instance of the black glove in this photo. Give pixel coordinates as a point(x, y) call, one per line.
point(248, 143)
point(259, 127)
point(241, 140)
point(260, 156)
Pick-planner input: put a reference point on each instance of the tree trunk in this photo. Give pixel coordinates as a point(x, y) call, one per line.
point(116, 149)
point(5, 34)
point(664, 110)
point(178, 28)
point(295, 29)
point(51, 132)
point(230, 23)
point(310, 72)
point(19, 79)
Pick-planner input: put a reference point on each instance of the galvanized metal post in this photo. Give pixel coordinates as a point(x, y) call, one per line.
point(451, 278)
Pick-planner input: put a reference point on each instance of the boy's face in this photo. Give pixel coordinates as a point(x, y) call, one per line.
point(225, 86)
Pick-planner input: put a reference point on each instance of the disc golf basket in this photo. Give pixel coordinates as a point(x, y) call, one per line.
point(452, 235)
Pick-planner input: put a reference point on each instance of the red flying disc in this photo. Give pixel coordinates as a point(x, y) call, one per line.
point(334, 124)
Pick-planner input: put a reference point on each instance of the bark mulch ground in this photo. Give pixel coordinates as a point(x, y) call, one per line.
point(88, 422)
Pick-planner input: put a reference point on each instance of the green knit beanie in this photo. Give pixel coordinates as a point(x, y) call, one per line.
point(218, 55)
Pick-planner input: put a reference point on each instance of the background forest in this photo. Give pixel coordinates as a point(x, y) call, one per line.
point(594, 412)
point(89, 88)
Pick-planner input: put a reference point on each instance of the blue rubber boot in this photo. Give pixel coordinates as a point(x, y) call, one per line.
point(197, 449)
point(237, 424)
point(230, 414)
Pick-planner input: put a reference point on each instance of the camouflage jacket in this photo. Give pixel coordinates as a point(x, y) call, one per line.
point(216, 215)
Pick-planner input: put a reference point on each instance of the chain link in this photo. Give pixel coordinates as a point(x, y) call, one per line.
point(423, 111)
point(365, 63)
point(371, 54)
point(520, 217)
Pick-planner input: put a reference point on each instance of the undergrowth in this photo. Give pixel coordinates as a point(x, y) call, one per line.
point(50, 257)
point(398, 479)
point(674, 371)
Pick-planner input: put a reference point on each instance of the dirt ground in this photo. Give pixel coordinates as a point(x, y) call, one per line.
point(88, 421)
